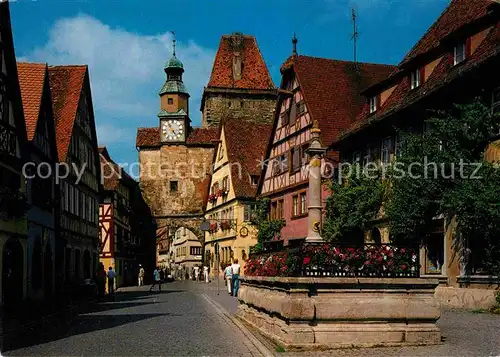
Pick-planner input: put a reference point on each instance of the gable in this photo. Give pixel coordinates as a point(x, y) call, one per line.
point(239, 64)
point(12, 126)
point(66, 84)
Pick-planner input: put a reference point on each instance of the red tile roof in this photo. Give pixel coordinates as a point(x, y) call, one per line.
point(246, 144)
point(31, 81)
point(202, 136)
point(150, 137)
point(332, 90)
point(455, 16)
point(66, 84)
point(442, 75)
point(255, 74)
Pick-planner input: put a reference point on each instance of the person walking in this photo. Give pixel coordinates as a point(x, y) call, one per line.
point(111, 281)
point(141, 275)
point(205, 273)
point(156, 280)
point(196, 272)
point(228, 274)
point(101, 280)
point(235, 277)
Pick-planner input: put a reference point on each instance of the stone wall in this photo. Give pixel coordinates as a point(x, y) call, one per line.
point(466, 298)
point(311, 313)
point(187, 166)
point(220, 106)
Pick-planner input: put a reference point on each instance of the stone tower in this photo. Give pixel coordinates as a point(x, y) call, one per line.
point(175, 160)
point(240, 85)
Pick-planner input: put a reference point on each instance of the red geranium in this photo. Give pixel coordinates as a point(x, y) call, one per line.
point(307, 260)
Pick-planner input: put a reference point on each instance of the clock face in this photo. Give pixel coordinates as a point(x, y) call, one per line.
point(173, 130)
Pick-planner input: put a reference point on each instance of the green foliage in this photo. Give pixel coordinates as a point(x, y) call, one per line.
point(267, 229)
point(353, 205)
point(453, 180)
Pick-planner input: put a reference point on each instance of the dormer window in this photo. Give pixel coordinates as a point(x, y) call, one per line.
point(415, 79)
point(373, 105)
point(459, 53)
point(254, 179)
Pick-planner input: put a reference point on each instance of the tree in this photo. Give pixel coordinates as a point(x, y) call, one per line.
point(268, 229)
point(354, 203)
point(450, 178)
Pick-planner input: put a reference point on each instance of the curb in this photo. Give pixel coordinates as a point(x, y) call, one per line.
point(261, 348)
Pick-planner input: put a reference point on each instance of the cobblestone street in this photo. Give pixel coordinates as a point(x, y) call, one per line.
point(179, 321)
point(186, 319)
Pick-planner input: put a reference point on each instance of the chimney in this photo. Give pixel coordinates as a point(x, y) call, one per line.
point(236, 43)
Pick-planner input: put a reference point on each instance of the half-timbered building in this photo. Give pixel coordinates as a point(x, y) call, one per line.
point(13, 155)
point(121, 242)
point(80, 191)
point(456, 61)
point(40, 127)
point(237, 164)
point(312, 90)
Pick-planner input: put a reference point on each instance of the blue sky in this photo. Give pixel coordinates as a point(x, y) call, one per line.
point(125, 43)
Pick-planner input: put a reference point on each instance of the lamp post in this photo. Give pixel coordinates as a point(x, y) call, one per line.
point(316, 152)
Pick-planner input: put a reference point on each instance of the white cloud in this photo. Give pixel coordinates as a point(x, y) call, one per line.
point(126, 72)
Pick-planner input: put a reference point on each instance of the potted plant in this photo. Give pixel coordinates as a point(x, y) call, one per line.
point(225, 225)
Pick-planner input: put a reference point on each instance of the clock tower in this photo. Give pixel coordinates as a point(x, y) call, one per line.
point(174, 104)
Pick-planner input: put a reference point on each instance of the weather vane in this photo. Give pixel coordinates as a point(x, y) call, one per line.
point(294, 41)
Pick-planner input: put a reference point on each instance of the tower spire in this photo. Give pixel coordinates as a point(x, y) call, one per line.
point(173, 44)
point(294, 42)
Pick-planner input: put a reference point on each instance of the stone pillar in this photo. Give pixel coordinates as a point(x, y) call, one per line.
point(316, 152)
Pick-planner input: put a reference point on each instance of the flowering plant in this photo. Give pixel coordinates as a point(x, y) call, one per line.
point(212, 198)
point(328, 260)
point(213, 227)
point(224, 225)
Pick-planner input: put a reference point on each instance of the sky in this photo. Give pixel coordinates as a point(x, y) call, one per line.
point(126, 43)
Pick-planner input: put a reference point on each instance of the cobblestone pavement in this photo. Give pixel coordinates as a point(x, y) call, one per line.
point(178, 322)
point(183, 322)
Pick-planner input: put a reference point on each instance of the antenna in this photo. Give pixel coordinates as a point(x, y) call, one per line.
point(355, 33)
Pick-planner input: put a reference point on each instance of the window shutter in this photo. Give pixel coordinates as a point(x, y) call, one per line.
point(293, 111)
point(468, 47)
point(422, 75)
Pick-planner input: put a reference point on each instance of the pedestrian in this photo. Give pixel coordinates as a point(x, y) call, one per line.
point(111, 281)
point(141, 275)
point(228, 274)
point(196, 272)
point(156, 280)
point(162, 275)
point(205, 273)
point(101, 280)
point(236, 277)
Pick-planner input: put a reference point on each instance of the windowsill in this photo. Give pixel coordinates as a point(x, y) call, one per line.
point(299, 216)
